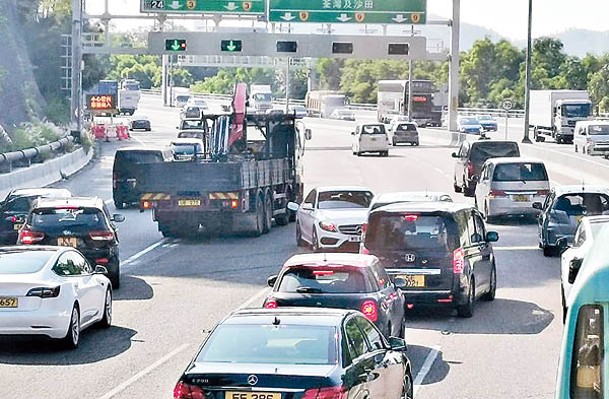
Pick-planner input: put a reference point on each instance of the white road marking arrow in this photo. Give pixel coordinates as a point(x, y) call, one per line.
point(343, 18)
point(231, 6)
point(176, 5)
point(399, 18)
point(287, 16)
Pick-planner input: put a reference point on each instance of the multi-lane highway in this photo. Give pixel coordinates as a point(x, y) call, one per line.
point(174, 290)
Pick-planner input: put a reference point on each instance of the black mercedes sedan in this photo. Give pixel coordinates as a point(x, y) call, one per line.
point(297, 353)
point(339, 280)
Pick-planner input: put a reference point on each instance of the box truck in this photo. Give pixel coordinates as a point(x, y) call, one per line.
point(554, 113)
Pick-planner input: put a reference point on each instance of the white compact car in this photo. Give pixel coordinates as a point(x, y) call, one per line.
point(370, 138)
point(409, 196)
point(573, 257)
point(332, 217)
point(52, 292)
point(592, 137)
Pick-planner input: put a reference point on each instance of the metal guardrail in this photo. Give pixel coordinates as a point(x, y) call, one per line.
point(26, 157)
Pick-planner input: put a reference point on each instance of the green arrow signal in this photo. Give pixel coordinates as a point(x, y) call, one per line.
point(175, 46)
point(231, 46)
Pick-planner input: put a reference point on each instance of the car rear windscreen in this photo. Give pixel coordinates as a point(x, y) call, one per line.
point(309, 280)
point(20, 262)
point(400, 232)
point(406, 127)
point(140, 156)
point(75, 219)
point(267, 343)
point(482, 151)
point(520, 171)
point(373, 129)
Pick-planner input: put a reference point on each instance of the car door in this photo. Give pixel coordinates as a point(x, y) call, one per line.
point(391, 301)
point(543, 218)
point(68, 268)
point(483, 185)
point(460, 165)
point(94, 285)
point(364, 368)
point(355, 140)
point(306, 217)
point(484, 254)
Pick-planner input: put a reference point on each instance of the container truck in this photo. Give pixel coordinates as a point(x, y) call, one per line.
point(322, 103)
point(554, 113)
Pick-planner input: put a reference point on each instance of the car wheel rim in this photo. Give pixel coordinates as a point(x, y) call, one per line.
point(108, 307)
point(75, 327)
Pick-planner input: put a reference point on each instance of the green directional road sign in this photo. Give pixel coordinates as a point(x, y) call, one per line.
point(231, 46)
point(203, 6)
point(175, 45)
point(349, 11)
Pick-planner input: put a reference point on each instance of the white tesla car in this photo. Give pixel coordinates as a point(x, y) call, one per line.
point(52, 292)
point(332, 217)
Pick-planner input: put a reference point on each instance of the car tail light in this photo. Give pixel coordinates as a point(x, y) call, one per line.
point(44, 292)
point(270, 303)
point(103, 235)
point(27, 237)
point(234, 204)
point(458, 261)
point(337, 392)
point(323, 272)
point(363, 250)
point(102, 261)
point(328, 226)
point(543, 193)
point(496, 193)
point(470, 169)
point(147, 205)
point(370, 310)
point(187, 391)
point(411, 218)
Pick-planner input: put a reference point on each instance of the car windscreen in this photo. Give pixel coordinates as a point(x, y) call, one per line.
point(520, 171)
point(76, 219)
point(399, 232)
point(468, 121)
point(373, 129)
point(271, 344)
point(182, 99)
point(323, 280)
point(192, 124)
point(344, 199)
point(20, 262)
point(18, 205)
point(598, 130)
point(481, 151)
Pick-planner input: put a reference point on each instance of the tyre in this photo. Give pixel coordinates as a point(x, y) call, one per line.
point(268, 214)
point(315, 242)
point(386, 154)
point(299, 241)
point(106, 320)
point(72, 337)
point(490, 295)
point(283, 219)
point(402, 332)
point(118, 204)
point(467, 309)
point(393, 143)
point(259, 227)
point(548, 250)
point(468, 191)
point(576, 148)
point(408, 388)
point(416, 143)
point(115, 278)
point(456, 187)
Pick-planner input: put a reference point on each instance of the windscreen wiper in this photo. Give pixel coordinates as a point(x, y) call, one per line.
point(308, 290)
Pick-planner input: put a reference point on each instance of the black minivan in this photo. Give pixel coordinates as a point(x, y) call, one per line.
point(438, 253)
point(124, 182)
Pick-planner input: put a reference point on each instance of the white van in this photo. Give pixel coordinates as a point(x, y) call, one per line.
point(592, 137)
point(510, 186)
point(370, 138)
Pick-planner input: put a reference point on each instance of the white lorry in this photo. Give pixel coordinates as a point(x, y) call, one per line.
point(554, 113)
point(322, 103)
point(260, 98)
point(128, 101)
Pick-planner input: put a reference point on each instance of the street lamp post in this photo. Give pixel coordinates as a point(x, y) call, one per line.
point(527, 86)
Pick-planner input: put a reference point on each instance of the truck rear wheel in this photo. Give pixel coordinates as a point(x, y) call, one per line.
point(268, 214)
point(167, 229)
point(259, 222)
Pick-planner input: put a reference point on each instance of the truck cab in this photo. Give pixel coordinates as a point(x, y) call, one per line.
point(567, 113)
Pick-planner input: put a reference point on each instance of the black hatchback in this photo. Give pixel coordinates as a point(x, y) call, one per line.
point(437, 252)
point(348, 281)
point(297, 353)
point(79, 222)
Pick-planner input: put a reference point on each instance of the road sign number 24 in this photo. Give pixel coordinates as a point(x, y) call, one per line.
point(158, 4)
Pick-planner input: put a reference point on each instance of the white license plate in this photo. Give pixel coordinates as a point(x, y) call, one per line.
point(521, 198)
point(355, 239)
point(17, 226)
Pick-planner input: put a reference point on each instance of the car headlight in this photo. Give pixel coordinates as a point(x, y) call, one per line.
point(328, 226)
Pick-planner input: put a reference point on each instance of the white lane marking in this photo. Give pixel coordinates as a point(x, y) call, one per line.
point(139, 141)
point(144, 251)
point(517, 248)
point(431, 357)
point(256, 296)
point(143, 373)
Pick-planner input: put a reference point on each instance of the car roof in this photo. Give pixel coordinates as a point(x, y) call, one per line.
point(92, 202)
point(427, 206)
point(331, 259)
point(32, 248)
point(506, 160)
point(408, 196)
point(341, 188)
point(594, 122)
point(186, 140)
point(35, 192)
point(595, 219)
point(139, 148)
point(310, 316)
point(482, 142)
point(594, 273)
point(582, 188)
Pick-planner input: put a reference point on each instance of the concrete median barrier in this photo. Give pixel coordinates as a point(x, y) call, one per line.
point(49, 172)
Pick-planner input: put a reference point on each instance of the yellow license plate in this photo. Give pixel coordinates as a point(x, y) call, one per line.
point(67, 241)
point(17, 226)
point(521, 198)
point(252, 395)
point(189, 202)
point(414, 280)
point(8, 302)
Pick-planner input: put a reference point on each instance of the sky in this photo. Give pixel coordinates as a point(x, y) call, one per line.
point(506, 17)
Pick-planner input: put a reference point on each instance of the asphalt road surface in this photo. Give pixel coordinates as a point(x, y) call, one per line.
point(175, 290)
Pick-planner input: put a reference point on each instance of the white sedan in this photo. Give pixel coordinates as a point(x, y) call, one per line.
point(332, 217)
point(52, 292)
point(572, 258)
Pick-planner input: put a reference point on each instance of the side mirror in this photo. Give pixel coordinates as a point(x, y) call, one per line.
point(400, 282)
point(352, 133)
point(99, 269)
point(293, 206)
point(308, 134)
point(271, 281)
point(306, 206)
point(492, 236)
point(177, 127)
point(562, 244)
point(398, 344)
point(454, 155)
point(117, 217)
point(537, 205)
point(574, 266)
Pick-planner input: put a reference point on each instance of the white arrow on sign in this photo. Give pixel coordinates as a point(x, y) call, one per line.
point(399, 18)
point(287, 16)
point(175, 5)
point(343, 18)
point(231, 6)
